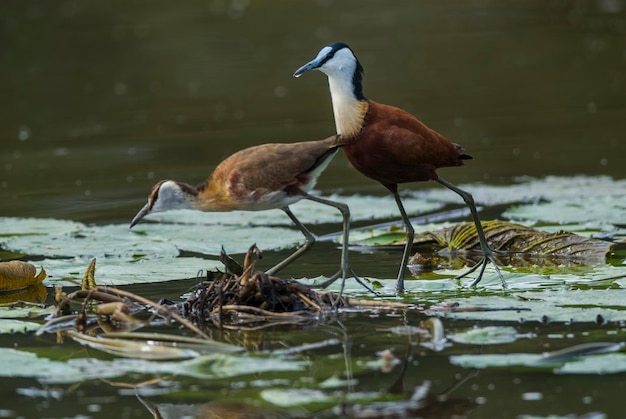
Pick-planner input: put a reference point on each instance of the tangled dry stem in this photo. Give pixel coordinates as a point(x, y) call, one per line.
point(233, 301)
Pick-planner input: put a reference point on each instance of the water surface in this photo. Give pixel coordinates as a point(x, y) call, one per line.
point(103, 99)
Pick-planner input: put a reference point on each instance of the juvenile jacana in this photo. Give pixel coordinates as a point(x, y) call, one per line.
point(389, 144)
point(268, 176)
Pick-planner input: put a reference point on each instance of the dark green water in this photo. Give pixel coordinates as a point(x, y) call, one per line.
point(102, 99)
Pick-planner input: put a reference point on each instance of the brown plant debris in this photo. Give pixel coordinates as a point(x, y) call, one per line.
point(89, 280)
point(232, 300)
point(241, 300)
point(17, 275)
point(519, 240)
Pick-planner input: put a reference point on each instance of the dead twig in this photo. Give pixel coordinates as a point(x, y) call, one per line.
point(158, 307)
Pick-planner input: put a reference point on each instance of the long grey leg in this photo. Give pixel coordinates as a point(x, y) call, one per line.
point(309, 241)
point(410, 234)
point(487, 251)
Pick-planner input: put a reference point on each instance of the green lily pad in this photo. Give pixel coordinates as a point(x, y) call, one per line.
point(152, 346)
point(26, 312)
point(25, 364)
point(600, 209)
point(489, 335)
point(549, 306)
point(296, 397)
point(69, 272)
point(577, 363)
point(17, 326)
point(553, 199)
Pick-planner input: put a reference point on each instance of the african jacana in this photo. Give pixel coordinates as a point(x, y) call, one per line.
point(268, 176)
point(389, 144)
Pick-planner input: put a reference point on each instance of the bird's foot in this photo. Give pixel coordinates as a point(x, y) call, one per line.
point(344, 274)
point(482, 265)
point(400, 284)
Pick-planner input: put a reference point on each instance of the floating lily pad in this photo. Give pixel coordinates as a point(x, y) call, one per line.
point(25, 364)
point(553, 199)
point(297, 397)
point(489, 335)
point(549, 306)
point(601, 209)
point(34, 227)
point(17, 326)
point(529, 189)
point(599, 364)
point(25, 312)
point(151, 346)
point(69, 272)
point(62, 239)
point(577, 363)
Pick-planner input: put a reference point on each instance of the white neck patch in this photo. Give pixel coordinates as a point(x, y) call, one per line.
point(346, 107)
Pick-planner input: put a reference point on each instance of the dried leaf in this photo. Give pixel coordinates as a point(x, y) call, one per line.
point(17, 275)
point(520, 239)
point(152, 345)
point(89, 280)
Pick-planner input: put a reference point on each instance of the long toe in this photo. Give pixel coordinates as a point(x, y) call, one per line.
point(482, 265)
point(345, 275)
point(492, 259)
point(363, 284)
point(489, 256)
point(472, 269)
point(328, 282)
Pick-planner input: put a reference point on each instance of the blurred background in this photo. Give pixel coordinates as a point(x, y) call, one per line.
point(102, 99)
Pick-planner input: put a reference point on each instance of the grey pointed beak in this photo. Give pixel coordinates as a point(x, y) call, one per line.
point(311, 65)
point(142, 213)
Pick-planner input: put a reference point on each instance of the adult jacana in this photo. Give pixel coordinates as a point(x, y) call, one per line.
point(388, 144)
point(268, 176)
